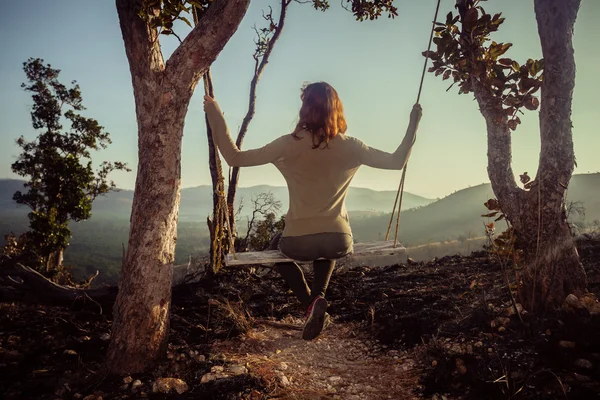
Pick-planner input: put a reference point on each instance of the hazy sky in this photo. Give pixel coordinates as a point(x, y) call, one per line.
point(375, 66)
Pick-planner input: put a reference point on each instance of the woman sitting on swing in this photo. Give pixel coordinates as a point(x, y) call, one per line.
point(318, 162)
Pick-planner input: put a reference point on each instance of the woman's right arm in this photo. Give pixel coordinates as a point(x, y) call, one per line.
point(397, 160)
point(231, 153)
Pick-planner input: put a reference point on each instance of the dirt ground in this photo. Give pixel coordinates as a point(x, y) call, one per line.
point(437, 330)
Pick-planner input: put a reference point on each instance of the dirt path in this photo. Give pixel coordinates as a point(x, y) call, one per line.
point(341, 364)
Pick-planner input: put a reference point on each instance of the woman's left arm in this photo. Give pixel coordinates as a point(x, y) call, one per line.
point(232, 154)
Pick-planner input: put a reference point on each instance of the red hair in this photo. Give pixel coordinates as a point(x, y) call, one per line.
point(321, 114)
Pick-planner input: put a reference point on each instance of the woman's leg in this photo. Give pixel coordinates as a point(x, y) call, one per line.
point(322, 273)
point(292, 274)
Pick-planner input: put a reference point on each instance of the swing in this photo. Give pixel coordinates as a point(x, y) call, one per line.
point(372, 253)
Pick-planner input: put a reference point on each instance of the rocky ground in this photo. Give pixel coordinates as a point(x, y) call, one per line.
point(437, 330)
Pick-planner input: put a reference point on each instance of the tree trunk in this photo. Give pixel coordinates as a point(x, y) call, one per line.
point(258, 71)
point(141, 313)
point(162, 93)
point(54, 261)
point(557, 271)
point(219, 234)
point(552, 266)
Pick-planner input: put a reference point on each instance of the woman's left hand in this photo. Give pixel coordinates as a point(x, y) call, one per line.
point(208, 99)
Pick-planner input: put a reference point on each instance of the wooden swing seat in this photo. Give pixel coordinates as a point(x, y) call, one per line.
point(368, 253)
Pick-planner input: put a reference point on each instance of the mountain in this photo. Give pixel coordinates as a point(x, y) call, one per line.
point(196, 202)
point(97, 243)
point(459, 214)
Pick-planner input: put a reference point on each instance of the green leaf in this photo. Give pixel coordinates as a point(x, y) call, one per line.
point(492, 214)
point(184, 19)
point(449, 18)
point(505, 61)
point(531, 103)
point(470, 19)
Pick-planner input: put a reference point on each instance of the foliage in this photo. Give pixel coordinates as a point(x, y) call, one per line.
point(264, 231)
point(504, 248)
point(62, 183)
point(162, 14)
point(263, 225)
point(503, 244)
point(468, 55)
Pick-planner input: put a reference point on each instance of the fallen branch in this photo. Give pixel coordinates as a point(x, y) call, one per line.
point(23, 284)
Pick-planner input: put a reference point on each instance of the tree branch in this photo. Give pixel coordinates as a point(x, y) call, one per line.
point(201, 47)
point(141, 41)
point(258, 71)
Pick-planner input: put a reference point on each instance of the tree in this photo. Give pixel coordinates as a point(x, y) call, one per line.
point(162, 92)
point(222, 225)
point(503, 88)
point(262, 225)
point(61, 181)
point(266, 38)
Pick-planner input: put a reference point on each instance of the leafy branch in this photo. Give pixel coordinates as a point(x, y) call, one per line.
point(469, 56)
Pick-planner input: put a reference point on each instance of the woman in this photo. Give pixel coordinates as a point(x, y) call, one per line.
point(318, 161)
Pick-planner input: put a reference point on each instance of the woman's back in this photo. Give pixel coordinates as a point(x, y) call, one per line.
point(318, 181)
point(317, 160)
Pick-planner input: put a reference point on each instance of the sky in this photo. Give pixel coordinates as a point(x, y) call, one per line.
point(375, 66)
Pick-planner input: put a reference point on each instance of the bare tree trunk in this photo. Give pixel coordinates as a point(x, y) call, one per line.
point(162, 93)
point(219, 234)
point(553, 269)
point(258, 71)
point(54, 261)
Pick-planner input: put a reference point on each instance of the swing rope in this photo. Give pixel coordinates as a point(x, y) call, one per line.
point(400, 192)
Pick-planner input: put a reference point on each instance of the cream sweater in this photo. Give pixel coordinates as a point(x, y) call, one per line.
point(317, 179)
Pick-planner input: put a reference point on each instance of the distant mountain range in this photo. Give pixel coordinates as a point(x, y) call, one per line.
point(196, 202)
point(459, 214)
point(97, 244)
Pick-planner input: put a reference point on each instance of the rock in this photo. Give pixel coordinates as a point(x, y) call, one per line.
point(93, 397)
point(510, 311)
point(582, 363)
point(283, 380)
point(136, 384)
point(282, 367)
point(167, 385)
point(581, 378)
point(237, 370)
point(200, 358)
point(590, 302)
point(70, 353)
point(434, 363)
point(335, 379)
point(460, 366)
point(217, 369)
point(331, 389)
point(573, 303)
point(208, 377)
point(127, 380)
point(565, 344)
point(105, 337)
